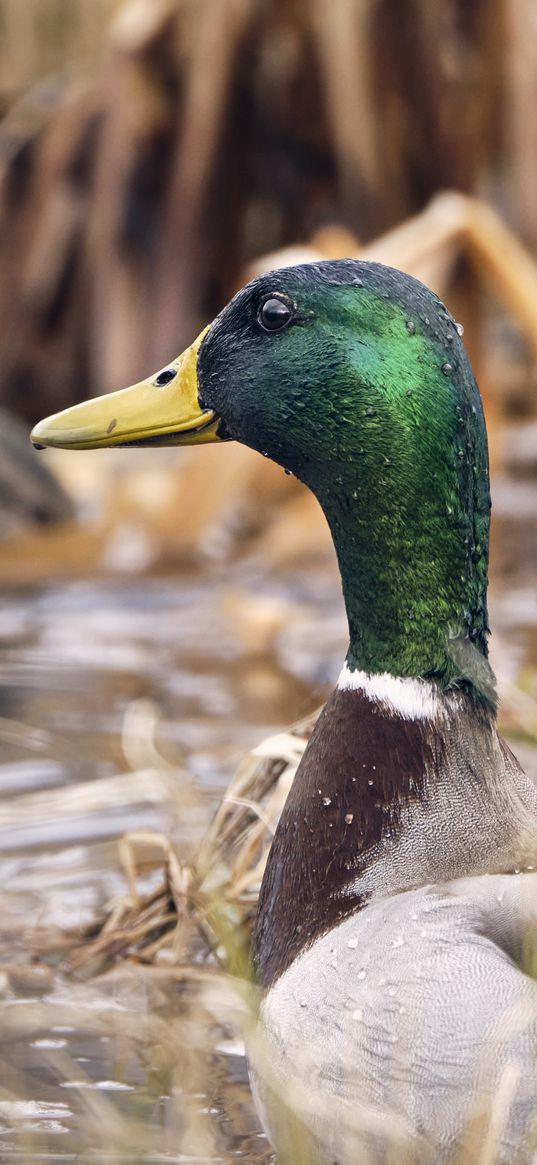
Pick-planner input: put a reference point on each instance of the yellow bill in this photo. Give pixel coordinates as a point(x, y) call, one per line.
point(164, 410)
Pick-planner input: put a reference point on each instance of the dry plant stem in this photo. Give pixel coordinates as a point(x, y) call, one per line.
point(498, 1117)
point(91, 796)
point(342, 35)
point(213, 897)
point(35, 43)
point(473, 227)
point(521, 98)
point(217, 33)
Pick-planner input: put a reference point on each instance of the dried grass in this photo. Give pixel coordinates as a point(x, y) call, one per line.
point(164, 972)
point(204, 908)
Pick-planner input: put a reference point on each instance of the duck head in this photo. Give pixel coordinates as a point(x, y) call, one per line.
point(352, 376)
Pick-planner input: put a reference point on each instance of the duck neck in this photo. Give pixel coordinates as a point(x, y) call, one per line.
point(413, 559)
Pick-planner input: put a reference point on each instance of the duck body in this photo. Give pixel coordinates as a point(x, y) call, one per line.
point(413, 1028)
point(396, 968)
point(398, 1014)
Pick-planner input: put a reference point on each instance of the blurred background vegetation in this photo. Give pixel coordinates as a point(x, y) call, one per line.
point(162, 611)
point(153, 153)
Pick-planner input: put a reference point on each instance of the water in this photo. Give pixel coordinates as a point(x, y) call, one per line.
point(126, 705)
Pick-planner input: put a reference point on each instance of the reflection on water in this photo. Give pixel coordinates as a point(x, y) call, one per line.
point(111, 1071)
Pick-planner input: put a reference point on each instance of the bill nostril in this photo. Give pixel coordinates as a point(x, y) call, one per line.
point(165, 376)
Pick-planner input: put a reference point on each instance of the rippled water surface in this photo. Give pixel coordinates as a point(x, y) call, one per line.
point(126, 705)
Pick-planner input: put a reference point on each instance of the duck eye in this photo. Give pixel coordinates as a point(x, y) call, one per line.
point(275, 313)
point(165, 376)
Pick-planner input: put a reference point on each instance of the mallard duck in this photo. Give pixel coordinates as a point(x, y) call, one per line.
point(399, 1008)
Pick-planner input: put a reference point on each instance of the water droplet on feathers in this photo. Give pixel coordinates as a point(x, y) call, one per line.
point(327, 800)
point(447, 368)
point(459, 328)
point(352, 944)
point(411, 327)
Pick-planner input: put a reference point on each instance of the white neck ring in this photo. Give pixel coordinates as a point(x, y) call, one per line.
point(409, 698)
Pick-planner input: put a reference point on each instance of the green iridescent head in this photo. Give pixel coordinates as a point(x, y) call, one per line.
point(354, 377)
point(360, 385)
